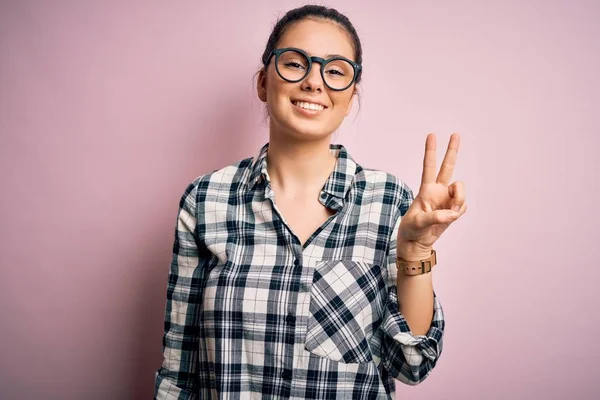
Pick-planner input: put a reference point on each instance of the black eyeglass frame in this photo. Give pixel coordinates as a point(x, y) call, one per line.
point(277, 52)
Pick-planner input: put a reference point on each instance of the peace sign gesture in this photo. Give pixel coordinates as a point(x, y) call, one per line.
point(436, 206)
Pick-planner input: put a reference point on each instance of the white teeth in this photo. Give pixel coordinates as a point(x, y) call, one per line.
point(309, 106)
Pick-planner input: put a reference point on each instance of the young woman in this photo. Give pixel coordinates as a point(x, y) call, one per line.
point(298, 273)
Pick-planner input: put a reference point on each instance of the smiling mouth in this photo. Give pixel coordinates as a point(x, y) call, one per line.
point(308, 106)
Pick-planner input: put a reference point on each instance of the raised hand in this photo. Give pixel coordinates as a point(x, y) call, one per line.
point(437, 205)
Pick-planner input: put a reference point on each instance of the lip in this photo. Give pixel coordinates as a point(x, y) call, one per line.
point(307, 113)
point(311, 101)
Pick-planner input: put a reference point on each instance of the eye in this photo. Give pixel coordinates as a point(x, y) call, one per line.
point(335, 71)
point(294, 64)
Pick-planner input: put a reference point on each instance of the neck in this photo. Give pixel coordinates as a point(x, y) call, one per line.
point(299, 168)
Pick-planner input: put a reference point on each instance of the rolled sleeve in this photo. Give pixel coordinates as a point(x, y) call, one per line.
point(410, 358)
point(177, 377)
point(407, 357)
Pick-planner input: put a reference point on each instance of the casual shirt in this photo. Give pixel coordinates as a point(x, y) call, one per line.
point(253, 313)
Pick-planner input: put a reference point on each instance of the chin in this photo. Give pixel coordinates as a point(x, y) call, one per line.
point(307, 133)
point(312, 128)
point(297, 127)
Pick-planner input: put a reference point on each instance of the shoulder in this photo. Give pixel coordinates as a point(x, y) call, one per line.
point(387, 186)
point(221, 181)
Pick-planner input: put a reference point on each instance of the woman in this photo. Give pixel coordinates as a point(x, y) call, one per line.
point(284, 280)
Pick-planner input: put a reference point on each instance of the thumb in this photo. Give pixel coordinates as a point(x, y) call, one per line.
point(428, 219)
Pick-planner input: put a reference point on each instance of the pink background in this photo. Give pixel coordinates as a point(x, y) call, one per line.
point(108, 111)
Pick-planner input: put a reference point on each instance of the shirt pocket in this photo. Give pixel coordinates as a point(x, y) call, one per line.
point(344, 308)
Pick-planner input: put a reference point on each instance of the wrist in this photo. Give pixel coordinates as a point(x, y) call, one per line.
point(412, 251)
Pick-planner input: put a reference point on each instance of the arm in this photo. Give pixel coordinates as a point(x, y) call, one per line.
point(415, 296)
point(410, 354)
point(177, 377)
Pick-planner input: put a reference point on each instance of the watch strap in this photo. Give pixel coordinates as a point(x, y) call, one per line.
point(417, 267)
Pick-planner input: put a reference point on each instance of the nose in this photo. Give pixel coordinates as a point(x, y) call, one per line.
point(313, 81)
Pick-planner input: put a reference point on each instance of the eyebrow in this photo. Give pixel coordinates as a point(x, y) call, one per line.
point(327, 56)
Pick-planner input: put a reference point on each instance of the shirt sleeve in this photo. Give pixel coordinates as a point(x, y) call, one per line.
point(177, 378)
point(409, 358)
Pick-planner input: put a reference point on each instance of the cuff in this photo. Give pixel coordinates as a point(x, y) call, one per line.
point(414, 348)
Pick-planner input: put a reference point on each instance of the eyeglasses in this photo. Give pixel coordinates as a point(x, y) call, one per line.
point(293, 65)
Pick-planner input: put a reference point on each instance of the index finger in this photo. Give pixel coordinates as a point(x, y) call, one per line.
point(429, 168)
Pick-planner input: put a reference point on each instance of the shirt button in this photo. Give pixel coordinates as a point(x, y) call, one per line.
point(296, 262)
point(286, 374)
point(290, 319)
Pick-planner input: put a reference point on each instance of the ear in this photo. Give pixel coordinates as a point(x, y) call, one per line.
point(261, 85)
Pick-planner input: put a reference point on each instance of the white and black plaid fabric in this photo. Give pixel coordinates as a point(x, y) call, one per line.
point(252, 313)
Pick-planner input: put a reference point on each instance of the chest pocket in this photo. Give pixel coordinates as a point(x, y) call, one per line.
point(345, 308)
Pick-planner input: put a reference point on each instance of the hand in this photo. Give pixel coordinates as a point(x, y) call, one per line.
point(431, 212)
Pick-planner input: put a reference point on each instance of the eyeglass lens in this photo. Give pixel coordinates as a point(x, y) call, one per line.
point(293, 66)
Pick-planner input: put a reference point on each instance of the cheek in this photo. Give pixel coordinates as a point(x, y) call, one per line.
point(276, 93)
point(275, 85)
point(341, 102)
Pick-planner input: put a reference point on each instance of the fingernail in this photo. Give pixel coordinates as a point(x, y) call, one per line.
point(456, 208)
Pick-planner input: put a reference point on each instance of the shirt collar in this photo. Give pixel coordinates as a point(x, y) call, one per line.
point(338, 183)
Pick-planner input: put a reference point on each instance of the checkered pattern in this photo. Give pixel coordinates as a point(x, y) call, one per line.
point(252, 313)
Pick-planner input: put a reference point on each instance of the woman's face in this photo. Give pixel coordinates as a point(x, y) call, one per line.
point(318, 38)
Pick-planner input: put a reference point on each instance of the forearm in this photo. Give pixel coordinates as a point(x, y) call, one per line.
point(415, 296)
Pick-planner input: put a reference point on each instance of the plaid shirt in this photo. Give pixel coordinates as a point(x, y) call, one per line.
point(253, 313)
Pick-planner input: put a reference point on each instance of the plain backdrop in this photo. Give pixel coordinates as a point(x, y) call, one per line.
point(109, 109)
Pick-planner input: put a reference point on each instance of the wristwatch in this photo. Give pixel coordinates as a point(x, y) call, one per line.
point(417, 267)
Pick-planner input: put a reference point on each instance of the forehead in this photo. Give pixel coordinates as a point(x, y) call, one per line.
point(318, 38)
